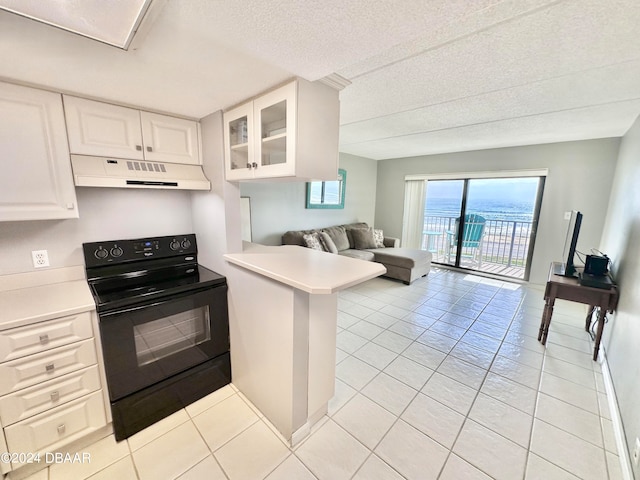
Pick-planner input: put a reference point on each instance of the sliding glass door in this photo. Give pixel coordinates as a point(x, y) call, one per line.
point(443, 204)
point(483, 224)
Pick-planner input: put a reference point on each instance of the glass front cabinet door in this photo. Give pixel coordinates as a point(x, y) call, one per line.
point(239, 154)
point(258, 136)
point(274, 115)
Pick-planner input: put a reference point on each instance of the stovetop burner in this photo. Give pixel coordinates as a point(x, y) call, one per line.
point(121, 273)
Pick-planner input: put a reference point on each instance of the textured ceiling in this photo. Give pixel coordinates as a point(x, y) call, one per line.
point(427, 76)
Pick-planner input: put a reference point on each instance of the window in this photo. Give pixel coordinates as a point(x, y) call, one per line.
point(328, 194)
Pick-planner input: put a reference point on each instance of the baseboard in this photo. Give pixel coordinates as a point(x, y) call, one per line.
point(616, 419)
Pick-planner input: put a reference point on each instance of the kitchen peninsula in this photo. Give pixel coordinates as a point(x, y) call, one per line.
point(283, 318)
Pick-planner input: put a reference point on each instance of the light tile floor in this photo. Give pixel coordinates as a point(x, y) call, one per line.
point(443, 379)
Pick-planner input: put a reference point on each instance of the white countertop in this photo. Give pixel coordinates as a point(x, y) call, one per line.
point(34, 304)
point(308, 270)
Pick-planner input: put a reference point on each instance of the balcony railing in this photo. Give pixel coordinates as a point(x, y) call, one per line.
point(503, 250)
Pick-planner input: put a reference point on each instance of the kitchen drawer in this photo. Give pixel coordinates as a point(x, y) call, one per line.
point(27, 371)
point(19, 342)
point(4, 467)
point(33, 400)
point(59, 426)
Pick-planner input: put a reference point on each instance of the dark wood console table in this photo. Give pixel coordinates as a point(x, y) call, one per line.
point(568, 288)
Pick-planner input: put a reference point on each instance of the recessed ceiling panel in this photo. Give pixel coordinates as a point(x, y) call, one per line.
point(113, 22)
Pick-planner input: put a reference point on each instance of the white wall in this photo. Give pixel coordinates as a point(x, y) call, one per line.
point(580, 177)
point(278, 207)
point(621, 242)
point(216, 213)
point(105, 214)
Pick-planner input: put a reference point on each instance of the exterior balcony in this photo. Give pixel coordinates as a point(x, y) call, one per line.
point(503, 248)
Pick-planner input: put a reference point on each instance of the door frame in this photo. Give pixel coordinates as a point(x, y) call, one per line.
point(465, 177)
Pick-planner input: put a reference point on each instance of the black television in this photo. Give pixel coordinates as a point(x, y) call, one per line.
point(567, 268)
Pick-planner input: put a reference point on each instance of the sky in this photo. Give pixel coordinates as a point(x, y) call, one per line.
point(507, 189)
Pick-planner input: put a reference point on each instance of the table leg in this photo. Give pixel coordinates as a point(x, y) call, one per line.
point(542, 322)
point(546, 320)
point(587, 322)
point(601, 316)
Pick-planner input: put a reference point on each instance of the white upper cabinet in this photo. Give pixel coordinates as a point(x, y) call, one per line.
point(290, 132)
point(101, 129)
point(170, 139)
point(36, 182)
point(105, 130)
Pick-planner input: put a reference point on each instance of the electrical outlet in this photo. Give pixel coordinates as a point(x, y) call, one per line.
point(40, 258)
point(636, 452)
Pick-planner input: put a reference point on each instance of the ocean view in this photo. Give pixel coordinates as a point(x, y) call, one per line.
point(505, 199)
point(507, 205)
point(496, 209)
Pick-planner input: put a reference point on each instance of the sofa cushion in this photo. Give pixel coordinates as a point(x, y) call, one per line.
point(349, 226)
point(401, 257)
point(363, 239)
point(327, 243)
point(339, 236)
point(295, 237)
point(359, 254)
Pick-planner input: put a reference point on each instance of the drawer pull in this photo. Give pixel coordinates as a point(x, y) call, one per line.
point(61, 429)
point(49, 367)
point(55, 396)
point(44, 339)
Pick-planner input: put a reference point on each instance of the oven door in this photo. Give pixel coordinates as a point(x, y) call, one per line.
point(144, 345)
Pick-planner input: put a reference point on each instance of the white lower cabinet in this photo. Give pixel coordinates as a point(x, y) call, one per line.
point(51, 386)
point(39, 337)
point(39, 398)
point(41, 367)
point(58, 426)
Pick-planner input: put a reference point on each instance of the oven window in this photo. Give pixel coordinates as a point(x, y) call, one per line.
point(169, 335)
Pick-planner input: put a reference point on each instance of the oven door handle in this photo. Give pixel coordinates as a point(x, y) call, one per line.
point(159, 302)
point(134, 308)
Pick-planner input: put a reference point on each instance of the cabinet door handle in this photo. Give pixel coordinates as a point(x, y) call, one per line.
point(149, 149)
point(139, 148)
point(254, 165)
point(55, 396)
point(49, 367)
point(248, 165)
point(61, 429)
point(44, 339)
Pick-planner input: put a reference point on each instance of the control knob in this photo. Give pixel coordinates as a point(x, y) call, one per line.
point(101, 253)
point(174, 245)
point(116, 251)
point(186, 243)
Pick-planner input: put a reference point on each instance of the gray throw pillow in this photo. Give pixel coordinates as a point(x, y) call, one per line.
point(328, 244)
point(339, 237)
point(363, 238)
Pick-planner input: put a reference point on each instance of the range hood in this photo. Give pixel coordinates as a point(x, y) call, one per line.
point(121, 173)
